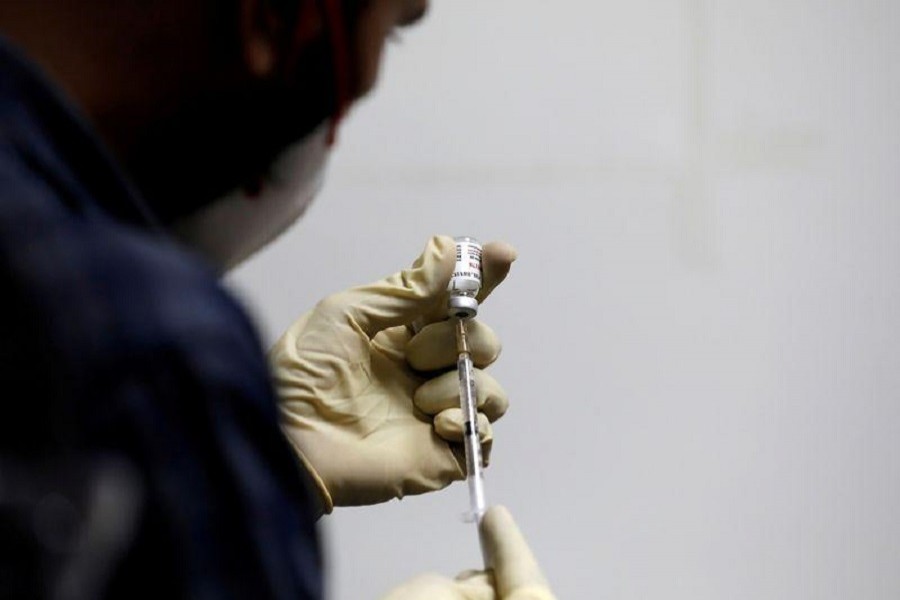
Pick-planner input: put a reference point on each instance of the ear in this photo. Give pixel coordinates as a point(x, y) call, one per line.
point(271, 34)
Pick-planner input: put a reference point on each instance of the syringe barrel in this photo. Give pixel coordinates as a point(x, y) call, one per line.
point(471, 435)
point(477, 503)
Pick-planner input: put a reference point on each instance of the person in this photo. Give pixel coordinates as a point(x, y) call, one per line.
point(148, 447)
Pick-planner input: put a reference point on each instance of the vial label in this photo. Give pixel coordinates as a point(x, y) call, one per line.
point(467, 272)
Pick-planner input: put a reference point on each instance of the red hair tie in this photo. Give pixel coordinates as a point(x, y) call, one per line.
point(336, 30)
point(340, 56)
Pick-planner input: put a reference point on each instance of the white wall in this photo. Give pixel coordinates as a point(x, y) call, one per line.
point(702, 338)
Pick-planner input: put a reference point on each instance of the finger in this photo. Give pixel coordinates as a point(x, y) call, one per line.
point(496, 260)
point(507, 553)
point(437, 587)
point(474, 574)
point(434, 347)
point(476, 585)
point(391, 342)
point(400, 298)
point(442, 392)
point(451, 425)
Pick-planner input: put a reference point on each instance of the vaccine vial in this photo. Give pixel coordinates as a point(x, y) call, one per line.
point(465, 282)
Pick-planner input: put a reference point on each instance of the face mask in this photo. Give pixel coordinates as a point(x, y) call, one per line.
point(234, 227)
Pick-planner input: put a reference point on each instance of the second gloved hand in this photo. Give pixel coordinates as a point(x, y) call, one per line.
point(514, 573)
point(371, 406)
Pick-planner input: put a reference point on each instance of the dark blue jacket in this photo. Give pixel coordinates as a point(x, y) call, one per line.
point(135, 403)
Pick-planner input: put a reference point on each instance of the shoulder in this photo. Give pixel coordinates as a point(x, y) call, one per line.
point(106, 295)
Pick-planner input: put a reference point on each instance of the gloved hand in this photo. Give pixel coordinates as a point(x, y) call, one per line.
point(514, 572)
point(370, 405)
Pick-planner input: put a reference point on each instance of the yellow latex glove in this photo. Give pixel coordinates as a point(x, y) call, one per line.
point(369, 405)
point(514, 572)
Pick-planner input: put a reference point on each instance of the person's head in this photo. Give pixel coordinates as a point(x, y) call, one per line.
point(197, 97)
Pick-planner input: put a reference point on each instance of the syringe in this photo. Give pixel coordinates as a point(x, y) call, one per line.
point(462, 305)
point(472, 441)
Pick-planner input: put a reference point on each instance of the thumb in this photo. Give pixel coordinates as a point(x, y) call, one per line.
point(516, 571)
point(400, 298)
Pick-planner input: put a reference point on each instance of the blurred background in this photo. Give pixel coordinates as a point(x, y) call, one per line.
point(702, 333)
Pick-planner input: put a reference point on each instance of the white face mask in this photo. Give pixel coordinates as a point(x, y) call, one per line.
point(234, 227)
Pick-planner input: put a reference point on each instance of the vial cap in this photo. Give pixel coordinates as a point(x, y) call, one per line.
point(462, 307)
